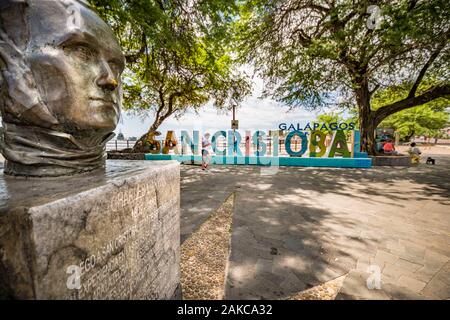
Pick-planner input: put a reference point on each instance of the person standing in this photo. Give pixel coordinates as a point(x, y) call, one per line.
point(206, 147)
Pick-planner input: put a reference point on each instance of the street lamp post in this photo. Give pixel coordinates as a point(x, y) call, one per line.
point(234, 129)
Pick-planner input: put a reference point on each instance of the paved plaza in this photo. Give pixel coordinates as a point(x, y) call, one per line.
point(298, 228)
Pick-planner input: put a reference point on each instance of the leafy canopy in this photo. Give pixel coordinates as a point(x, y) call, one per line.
point(427, 119)
point(177, 52)
point(310, 52)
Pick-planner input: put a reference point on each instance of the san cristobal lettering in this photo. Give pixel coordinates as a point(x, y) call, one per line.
point(315, 140)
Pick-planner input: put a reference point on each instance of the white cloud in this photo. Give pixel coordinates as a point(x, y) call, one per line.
point(253, 114)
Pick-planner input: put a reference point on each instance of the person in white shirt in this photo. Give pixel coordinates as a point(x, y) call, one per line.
point(206, 147)
point(414, 153)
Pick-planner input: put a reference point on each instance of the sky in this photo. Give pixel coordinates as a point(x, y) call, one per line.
point(253, 113)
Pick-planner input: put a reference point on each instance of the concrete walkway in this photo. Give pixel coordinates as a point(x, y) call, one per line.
point(301, 227)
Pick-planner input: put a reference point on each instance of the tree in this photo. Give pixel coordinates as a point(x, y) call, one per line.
point(177, 54)
point(427, 119)
point(316, 53)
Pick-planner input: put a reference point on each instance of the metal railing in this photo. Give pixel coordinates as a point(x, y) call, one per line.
point(119, 144)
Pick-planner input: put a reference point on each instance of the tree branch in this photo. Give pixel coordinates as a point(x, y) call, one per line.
point(133, 57)
point(170, 103)
point(412, 4)
point(409, 102)
point(387, 59)
point(161, 105)
point(424, 69)
point(375, 88)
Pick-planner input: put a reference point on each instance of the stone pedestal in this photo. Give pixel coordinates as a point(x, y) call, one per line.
point(113, 234)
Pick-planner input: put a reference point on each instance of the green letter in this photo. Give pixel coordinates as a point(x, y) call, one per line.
point(339, 145)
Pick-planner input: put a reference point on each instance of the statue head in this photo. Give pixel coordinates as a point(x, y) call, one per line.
point(60, 93)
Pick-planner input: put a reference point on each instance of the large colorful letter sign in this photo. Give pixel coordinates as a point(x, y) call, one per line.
point(194, 143)
point(315, 143)
point(304, 147)
point(155, 145)
point(262, 143)
point(170, 143)
point(339, 145)
point(214, 139)
point(258, 140)
point(265, 148)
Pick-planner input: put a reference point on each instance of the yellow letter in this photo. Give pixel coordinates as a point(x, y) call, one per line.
point(314, 143)
point(170, 143)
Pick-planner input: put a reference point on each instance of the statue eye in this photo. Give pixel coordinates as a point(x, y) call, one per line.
point(115, 67)
point(82, 52)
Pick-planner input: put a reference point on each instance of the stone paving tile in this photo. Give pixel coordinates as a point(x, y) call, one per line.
point(407, 265)
point(411, 283)
point(294, 224)
point(434, 262)
point(197, 208)
point(392, 273)
point(362, 264)
point(397, 292)
point(386, 257)
point(439, 285)
point(355, 287)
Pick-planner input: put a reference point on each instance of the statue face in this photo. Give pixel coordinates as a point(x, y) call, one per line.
point(76, 62)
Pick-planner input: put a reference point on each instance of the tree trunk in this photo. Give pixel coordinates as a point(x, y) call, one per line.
point(367, 129)
point(140, 146)
point(409, 136)
point(366, 119)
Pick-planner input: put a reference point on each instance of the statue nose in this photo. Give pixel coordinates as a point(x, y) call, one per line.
point(107, 81)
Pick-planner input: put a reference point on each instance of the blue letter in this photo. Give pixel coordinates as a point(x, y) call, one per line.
point(234, 139)
point(193, 144)
point(304, 138)
point(258, 139)
point(214, 143)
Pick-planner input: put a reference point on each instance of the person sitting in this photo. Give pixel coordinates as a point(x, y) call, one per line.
point(389, 148)
point(380, 145)
point(414, 153)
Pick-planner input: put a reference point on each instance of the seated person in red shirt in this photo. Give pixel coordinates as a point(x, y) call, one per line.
point(389, 148)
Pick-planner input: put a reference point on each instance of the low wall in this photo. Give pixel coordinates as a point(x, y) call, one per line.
point(394, 161)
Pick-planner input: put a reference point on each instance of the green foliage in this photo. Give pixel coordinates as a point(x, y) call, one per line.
point(398, 92)
point(178, 54)
point(333, 117)
point(308, 50)
point(422, 120)
point(427, 119)
point(328, 118)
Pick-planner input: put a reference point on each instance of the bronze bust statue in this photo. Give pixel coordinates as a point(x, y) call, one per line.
point(60, 92)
